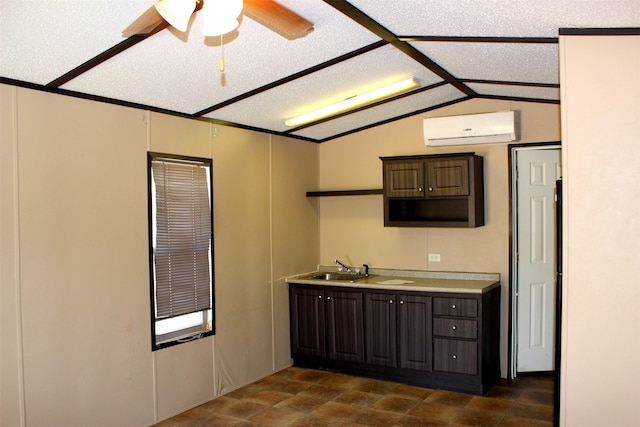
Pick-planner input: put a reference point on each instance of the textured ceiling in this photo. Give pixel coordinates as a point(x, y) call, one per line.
point(502, 49)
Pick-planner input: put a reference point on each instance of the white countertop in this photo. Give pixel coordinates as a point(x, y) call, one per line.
point(409, 280)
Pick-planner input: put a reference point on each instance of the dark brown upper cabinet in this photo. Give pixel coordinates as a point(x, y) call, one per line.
point(444, 190)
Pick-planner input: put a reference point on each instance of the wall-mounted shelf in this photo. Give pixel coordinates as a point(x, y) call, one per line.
point(344, 193)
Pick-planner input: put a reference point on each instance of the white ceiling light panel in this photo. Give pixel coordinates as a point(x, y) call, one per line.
point(179, 71)
point(407, 105)
point(510, 62)
point(42, 40)
point(498, 18)
point(269, 110)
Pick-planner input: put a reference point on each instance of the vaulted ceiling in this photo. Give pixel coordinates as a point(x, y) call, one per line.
point(456, 49)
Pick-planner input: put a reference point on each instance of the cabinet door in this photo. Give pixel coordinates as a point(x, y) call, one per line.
point(414, 332)
point(345, 329)
point(448, 177)
point(307, 321)
point(405, 179)
point(380, 328)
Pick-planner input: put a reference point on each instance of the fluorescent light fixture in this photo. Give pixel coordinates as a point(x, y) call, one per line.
point(354, 102)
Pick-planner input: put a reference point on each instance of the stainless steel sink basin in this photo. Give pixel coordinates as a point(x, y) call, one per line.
point(339, 277)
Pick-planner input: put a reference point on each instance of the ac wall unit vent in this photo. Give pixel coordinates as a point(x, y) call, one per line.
point(482, 128)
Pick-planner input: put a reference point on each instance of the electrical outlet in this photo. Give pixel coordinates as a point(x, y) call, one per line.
point(434, 257)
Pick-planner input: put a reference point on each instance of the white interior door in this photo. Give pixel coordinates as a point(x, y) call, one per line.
point(537, 172)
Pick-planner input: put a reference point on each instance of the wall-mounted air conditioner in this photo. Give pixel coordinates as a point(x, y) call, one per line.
point(482, 128)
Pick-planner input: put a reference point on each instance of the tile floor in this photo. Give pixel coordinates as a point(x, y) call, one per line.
point(305, 397)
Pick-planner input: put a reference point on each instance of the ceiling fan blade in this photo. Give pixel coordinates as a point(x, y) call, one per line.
point(277, 18)
point(144, 24)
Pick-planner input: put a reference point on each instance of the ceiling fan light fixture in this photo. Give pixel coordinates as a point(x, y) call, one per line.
point(220, 16)
point(354, 102)
point(176, 12)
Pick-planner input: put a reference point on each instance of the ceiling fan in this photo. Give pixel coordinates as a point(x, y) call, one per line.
point(222, 16)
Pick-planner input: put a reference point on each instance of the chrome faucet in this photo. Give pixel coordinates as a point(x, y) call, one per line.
point(346, 267)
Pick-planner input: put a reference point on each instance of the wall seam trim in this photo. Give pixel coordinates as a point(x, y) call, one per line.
point(213, 133)
point(18, 261)
point(146, 120)
point(271, 276)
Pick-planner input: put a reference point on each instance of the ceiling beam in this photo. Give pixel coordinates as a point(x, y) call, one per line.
point(372, 25)
point(511, 83)
point(104, 56)
point(467, 39)
point(293, 77)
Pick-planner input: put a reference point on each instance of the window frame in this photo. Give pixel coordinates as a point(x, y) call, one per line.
point(205, 326)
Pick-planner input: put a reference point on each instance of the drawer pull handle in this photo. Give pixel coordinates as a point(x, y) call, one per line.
point(401, 302)
point(453, 306)
point(454, 327)
point(454, 356)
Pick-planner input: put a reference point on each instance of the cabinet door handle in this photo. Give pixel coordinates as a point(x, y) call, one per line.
point(430, 188)
point(328, 298)
point(453, 306)
point(319, 296)
point(454, 356)
point(390, 301)
point(420, 189)
point(454, 327)
point(401, 302)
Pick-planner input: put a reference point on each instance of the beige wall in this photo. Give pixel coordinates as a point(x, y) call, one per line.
point(74, 298)
point(74, 309)
point(600, 79)
point(351, 227)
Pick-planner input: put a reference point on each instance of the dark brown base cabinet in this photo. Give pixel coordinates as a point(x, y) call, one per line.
point(433, 339)
point(328, 323)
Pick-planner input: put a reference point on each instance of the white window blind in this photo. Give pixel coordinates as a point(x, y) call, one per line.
point(183, 219)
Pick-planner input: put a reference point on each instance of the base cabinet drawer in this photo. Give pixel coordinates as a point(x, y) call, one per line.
point(455, 328)
point(455, 356)
point(460, 307)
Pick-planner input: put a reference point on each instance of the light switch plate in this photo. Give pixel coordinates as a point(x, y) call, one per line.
point(434, 257)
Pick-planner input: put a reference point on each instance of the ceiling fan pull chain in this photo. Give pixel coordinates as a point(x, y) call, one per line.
point(221, 54)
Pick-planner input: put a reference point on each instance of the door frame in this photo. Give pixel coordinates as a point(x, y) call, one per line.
point(513, 268)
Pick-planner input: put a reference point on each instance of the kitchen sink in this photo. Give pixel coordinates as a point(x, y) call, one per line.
point(345, 277)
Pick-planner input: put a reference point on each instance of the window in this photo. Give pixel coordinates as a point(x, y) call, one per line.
point(180, 248)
